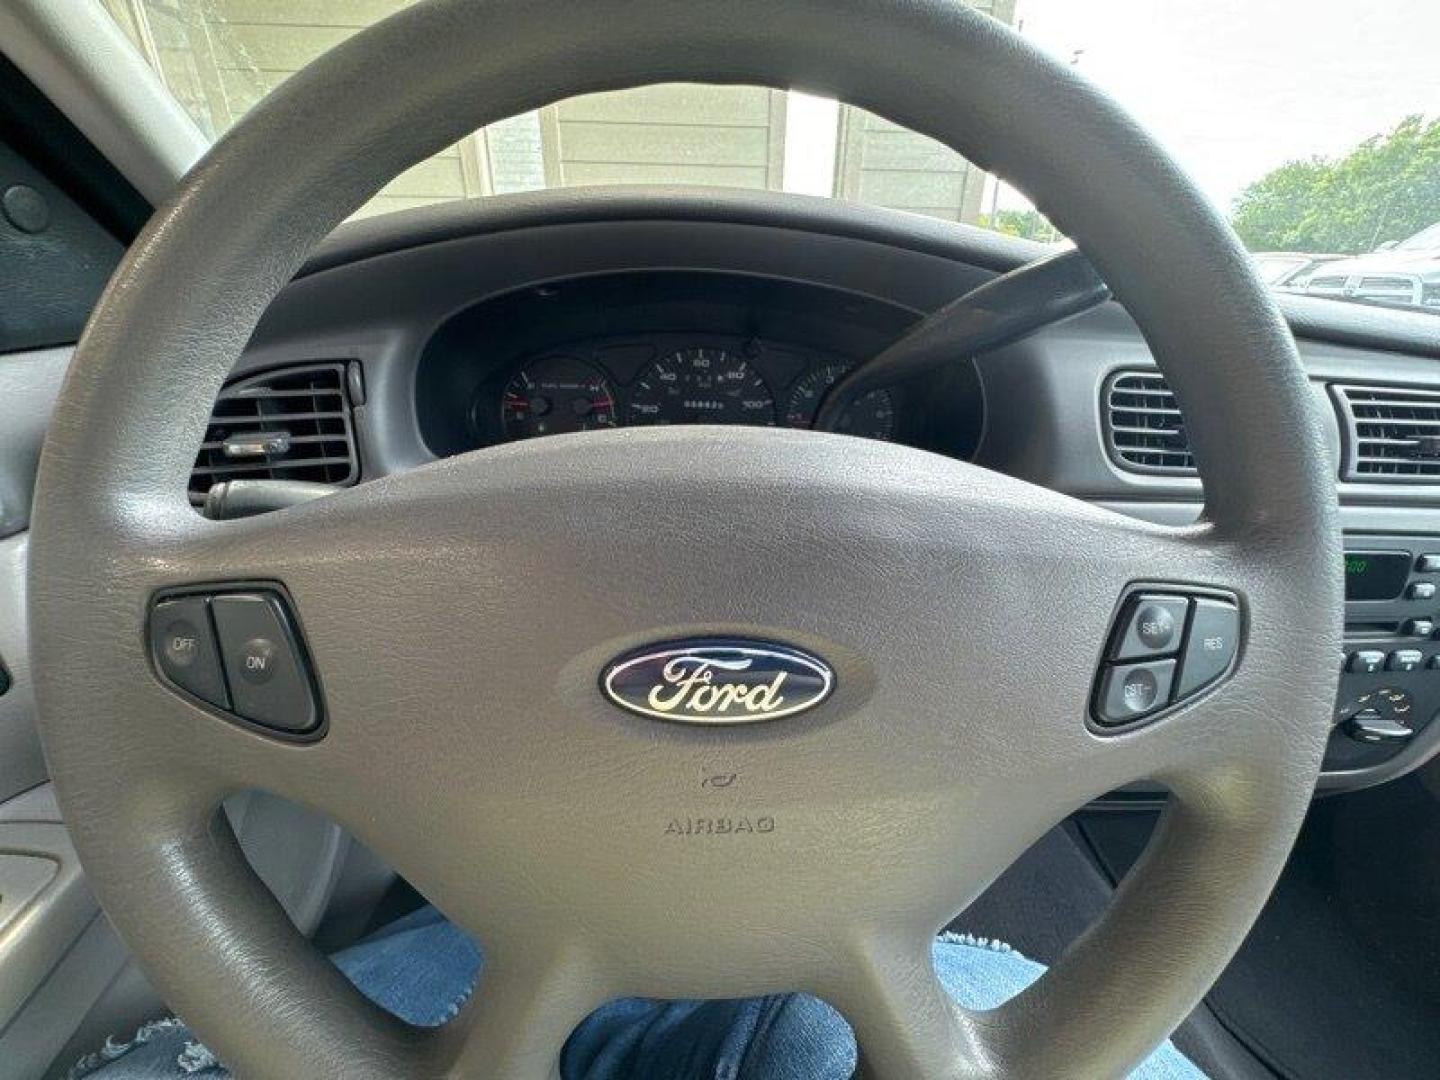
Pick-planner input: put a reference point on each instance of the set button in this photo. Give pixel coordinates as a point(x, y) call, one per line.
point(1153, 627)
point(239, 652)
point(1165, 647)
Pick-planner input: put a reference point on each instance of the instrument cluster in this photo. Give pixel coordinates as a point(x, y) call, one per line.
point(671, 379)
point(643, 348)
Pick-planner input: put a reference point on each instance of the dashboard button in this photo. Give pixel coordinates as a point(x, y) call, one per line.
point(1420, 627)
point(262, 661)
point(183, 646)
point(1428, 564)
point(1132, 690)
point(1370, 726)
point(1365, 661)
point(1211, 646)
point(1152, 626)
point(1405, 660)
point(1421, 590)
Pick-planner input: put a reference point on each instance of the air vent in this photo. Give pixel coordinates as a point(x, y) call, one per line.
point(1392, 434)
point(291, 423)
point(1143, 427)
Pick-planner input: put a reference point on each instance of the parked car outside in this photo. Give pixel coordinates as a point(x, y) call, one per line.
point(1290, 269)
point(1406, 274)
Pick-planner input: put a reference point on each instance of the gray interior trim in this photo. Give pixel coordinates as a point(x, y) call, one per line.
point(22, 765)
point(383, 234)
point(29, 384)
point(33, 940)
point(1310, 317)
point(73, 51)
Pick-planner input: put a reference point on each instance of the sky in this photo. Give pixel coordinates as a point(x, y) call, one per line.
point(1234, 88)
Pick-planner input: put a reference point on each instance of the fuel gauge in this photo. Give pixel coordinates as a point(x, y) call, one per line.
point(556, 395)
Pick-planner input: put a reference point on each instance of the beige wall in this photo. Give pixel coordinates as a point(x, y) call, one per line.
point(677, 134)
point(883, 164)
point(219, 57)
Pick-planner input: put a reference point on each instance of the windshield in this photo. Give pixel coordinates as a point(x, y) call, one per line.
point(1314, 125)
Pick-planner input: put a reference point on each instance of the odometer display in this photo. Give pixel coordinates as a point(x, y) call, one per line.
point(700, 386)
point(556, 395)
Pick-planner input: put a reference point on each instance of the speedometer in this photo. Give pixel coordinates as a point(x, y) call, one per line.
point(700, 386)
point(872, 417)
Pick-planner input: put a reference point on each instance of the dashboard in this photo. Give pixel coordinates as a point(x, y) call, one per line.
point(418, 336)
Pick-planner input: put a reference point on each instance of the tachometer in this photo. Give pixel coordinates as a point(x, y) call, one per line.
point(556, 395)
point(872, 417)
point(700, 386)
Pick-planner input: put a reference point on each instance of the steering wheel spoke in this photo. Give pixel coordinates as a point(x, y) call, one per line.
point(905, 1022)
point(530, 998)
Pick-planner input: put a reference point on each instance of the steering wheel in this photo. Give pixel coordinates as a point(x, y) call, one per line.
point(459, 616)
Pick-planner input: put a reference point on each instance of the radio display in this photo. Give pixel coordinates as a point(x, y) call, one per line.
point(1376, 575)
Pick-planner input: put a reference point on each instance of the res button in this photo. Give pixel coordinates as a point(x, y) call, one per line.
point(1214, 639)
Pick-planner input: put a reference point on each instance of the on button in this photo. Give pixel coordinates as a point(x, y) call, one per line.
point(262, 661)
point(257, 661)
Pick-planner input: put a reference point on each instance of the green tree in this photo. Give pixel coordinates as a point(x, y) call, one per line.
point(1030, 224)
point(1387, 188)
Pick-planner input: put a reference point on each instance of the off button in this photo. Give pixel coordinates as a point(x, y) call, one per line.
point(183, 646)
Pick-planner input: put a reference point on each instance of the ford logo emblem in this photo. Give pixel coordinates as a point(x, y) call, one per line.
point(718, 681)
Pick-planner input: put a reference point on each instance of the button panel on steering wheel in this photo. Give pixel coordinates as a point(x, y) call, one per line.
point(238, 650)
point(1168, 644)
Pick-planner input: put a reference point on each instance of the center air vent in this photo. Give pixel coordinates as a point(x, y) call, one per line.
point(1392, 434)
point(1143, 427)
point(290, 423)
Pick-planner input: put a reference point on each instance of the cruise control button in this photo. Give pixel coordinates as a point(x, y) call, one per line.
point(1132, 690)
point(1214, 639)
point(1405, 660)
point(183, 646)
point(262, 660)
point(1152, 627)
point(1366, 661)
